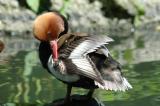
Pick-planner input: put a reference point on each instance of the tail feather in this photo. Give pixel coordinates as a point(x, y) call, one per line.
point(115, 86)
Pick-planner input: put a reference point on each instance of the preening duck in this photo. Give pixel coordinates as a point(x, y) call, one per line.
point(77, 59)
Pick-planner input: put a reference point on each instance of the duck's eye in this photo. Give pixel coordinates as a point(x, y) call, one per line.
point(48, 33)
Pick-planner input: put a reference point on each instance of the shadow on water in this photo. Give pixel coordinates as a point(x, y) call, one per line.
point(59, 102)
point(23, 81)
point(76, 100)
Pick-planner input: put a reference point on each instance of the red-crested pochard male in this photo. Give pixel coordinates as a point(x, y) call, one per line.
point(77, 59)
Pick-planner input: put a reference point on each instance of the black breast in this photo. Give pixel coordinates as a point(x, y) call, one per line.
point(44, 53)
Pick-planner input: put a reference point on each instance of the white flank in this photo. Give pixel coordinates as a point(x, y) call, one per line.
point(59, 75)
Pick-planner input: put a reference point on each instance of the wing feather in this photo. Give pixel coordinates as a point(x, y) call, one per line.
point(86, 68)
point(76, 50)
point(90, 44)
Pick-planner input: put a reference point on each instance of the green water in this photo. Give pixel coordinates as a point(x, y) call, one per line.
point(23, 81)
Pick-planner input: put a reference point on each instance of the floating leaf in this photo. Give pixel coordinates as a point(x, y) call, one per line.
point(33, 4)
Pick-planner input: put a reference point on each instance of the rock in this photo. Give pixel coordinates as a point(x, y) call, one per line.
point(83, 17)
point(15, 20)
point(76, 100)
point(145, 10)
point(88, 17)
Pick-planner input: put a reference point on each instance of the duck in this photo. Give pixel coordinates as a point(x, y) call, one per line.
point(77, 59)
point(1, 46)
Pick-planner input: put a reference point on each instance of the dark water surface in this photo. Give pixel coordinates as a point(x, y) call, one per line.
point(23, 81)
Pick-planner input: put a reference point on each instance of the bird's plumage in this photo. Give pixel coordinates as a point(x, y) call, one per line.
point(77, 59)
point(87, 56)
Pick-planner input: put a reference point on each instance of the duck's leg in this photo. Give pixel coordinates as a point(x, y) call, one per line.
point(86, 97)
point(90, 93)
point(68, 98)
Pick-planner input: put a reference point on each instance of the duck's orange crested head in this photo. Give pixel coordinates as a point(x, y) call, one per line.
point(48, 27)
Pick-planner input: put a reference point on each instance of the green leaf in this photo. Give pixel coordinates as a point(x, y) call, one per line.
point(64, 7)
point(33, 4)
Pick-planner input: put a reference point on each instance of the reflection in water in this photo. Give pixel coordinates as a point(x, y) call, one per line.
point(31, 60)
point(59, 102)
point(23, 82)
